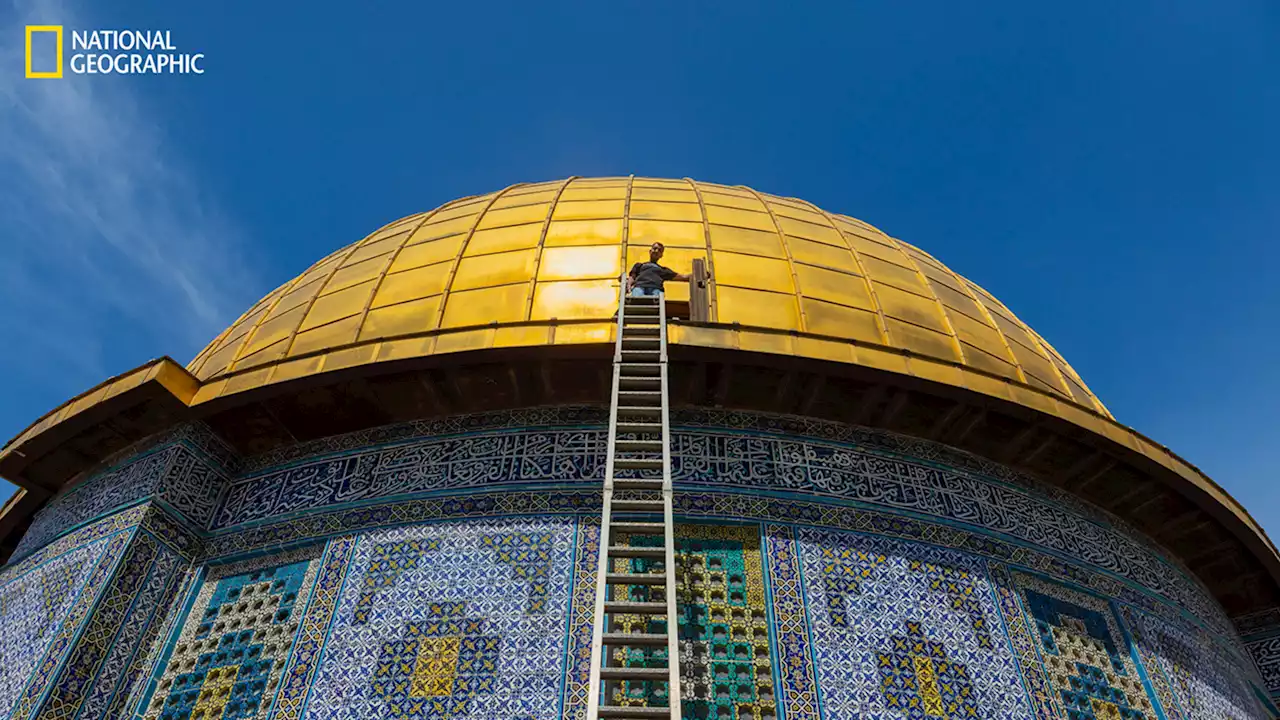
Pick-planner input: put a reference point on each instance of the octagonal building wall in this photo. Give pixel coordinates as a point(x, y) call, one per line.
point(446, 568)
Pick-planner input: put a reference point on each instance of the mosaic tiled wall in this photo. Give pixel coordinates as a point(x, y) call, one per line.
point(826, 573)
point(77, 617)
point(1261, 633)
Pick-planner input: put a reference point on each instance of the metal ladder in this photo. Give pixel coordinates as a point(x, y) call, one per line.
point(638, 451)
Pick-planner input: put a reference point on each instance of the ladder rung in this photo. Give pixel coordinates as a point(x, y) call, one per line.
point(632, 463)
point(639, 411)
point(638, 445)
point(657, 674)
point(640, 382)
point(640, 427)
point(628, 607)
point(644, 397)
point(632, 712)
point(631, 551)
point(641, 331)
point(636, 578)
point(641, 355)
point(643, 300)
point(639, 528)
point(637, 483)
point(637, 506)
point(640, 369)
point(634, 639)
point(640, 343)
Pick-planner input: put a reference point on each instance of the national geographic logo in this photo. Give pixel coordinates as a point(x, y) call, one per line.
point(107, 52)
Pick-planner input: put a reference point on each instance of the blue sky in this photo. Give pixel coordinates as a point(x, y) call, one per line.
point(1109, 170)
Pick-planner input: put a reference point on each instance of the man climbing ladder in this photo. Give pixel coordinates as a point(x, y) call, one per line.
point(635, 670)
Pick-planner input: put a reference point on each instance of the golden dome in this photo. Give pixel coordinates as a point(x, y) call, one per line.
point(539, 264)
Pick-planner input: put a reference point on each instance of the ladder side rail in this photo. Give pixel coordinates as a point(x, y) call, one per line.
point(602, 567)
point(668, 519)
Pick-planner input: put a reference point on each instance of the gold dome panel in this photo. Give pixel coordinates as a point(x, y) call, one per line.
point(538, 264)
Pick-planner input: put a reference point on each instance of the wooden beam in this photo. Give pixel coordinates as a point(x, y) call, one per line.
point(1019, 442)
point(1131, 493)
point(784, 389)
point(1155, 498)
point(515, 384)
point(870, 402)
point(438, 404)
point(1210, 551)
point(548, 387)
point(1178, 523)
point(945, 419)
point(816, 386)
point(896, 406)
point(966, 426)
point(1079, 466)
point(722, 386)
point(1090, 478)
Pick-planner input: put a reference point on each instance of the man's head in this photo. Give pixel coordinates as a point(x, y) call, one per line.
point(655, 252)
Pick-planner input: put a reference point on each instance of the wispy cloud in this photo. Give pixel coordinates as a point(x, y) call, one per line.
point(105, 237)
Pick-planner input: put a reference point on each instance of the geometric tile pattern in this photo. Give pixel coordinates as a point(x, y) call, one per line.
point(474, 626)
point(901, 646)
point(32, 604)
point(722, 617)
point(307, 647)
point(798, 687)
point(919, 682)
point(957, 585)
point(582, 608)
point(95, 662)
point(228, 658)
point(387, 562)
point(437, 666)
point(1081, 644)
point(1193, 675)
point(708, 449)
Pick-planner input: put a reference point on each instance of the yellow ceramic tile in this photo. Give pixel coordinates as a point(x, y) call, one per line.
point(752, 271)
point(740, 218)
point(651, 210)
point(499, 269)
point(833, 286)
point(910, 307)
point(334, 334)
point(901, 277)
point(670, 234)
point(498, 240)
point(671, 194)
point(776, 343)
point(355, 274)
point(296, 368)
point(809, 231)
point(585, 232)
point(522, 336)
point(274, 330)
point(588, 210)
point(533, 198)
point(922, 341)
point(824, 349)
point(608, 192)
point(376, 248)
point(427, 253)
point(825, 318)
point(406, 318)
point(982, 360)
point(582, 333)
point(405, 348)
point(707, 337)
point(412, 284)
point(757, 308)
point(937, 372)
point(514, 216)
point(464, 340)
point(741, 202)
point(813, 253)
point(343, 303)
point(754, 242)
point(575, 299)
point(579, 263)
point(485, 305)
point(435, 230)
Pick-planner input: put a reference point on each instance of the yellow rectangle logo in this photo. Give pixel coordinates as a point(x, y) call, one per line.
point(57, 31)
